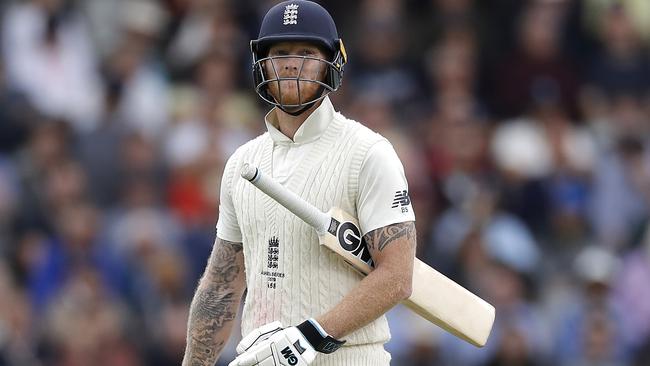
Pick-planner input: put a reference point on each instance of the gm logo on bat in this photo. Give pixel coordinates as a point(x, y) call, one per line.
point(349, 238)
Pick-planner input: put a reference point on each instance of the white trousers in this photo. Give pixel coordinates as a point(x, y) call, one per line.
point(358, 355)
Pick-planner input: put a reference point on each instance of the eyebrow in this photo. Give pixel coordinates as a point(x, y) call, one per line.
point(297, 46)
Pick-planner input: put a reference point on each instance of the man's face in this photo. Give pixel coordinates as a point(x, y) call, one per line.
point(296, 60)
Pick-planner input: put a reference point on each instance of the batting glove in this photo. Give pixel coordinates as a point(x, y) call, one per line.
point(270, 345)
point(287, 347)
point(258, 335)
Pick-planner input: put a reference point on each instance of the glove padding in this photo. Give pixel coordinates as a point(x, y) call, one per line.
point(285, 347)
point(258, 335)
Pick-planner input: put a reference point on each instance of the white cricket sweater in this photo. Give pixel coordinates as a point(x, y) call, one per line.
point(290, 277)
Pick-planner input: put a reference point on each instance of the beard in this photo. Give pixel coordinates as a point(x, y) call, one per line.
point(294, 92)
point(290, 92)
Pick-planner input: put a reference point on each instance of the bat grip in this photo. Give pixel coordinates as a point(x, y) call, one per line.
point(291, 201)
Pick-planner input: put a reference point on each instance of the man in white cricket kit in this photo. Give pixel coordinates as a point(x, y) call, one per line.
point(304, 303)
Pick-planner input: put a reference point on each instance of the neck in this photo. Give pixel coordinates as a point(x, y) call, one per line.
point(288, 124)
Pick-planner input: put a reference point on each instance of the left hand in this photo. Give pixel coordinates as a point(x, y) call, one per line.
point(285, 347)
point(258, 335)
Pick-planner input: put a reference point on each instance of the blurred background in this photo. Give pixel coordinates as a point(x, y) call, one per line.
point(522, 125)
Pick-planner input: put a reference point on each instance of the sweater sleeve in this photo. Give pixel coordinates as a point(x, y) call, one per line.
point(383, 190)
point(227, 224)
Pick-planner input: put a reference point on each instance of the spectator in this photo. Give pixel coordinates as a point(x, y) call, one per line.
point(69, 253)
point(621, 66)
point(48, 146)
point(133, 68)
point(381, 69)
point(538, 61)
point(50, 58)
point(590, 331)
point(14, 115)
point(621, 187)
point(82, 301)
point(632, 296)
point(17, 342)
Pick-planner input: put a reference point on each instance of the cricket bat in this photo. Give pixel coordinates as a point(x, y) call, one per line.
point(435, 297)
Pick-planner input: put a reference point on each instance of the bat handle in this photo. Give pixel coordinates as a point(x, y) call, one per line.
point(292, 202)
point(249, 172)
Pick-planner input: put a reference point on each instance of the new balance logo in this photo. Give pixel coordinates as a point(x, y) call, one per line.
point(401, 199)
point(289, 356)
point(291, 14)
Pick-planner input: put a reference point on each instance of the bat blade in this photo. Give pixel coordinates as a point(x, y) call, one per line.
point(435, 297)
point(450, 306)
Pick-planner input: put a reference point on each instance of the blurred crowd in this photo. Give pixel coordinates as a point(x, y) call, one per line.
point(523, 126)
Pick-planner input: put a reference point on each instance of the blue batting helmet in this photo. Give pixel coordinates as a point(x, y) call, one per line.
point(298, 20)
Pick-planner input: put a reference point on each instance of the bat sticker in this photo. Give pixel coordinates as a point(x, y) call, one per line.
point(349, 238)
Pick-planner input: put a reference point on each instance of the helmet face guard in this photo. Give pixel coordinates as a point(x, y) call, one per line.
point(263, 77)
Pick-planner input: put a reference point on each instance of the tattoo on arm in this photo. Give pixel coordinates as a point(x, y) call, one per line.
point(382, 237)
point(215, 304)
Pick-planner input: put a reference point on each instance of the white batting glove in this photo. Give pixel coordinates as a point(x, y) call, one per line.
point(258, 335)
point(286, 347)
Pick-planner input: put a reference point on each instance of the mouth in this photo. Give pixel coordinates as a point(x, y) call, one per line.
point(286, 78)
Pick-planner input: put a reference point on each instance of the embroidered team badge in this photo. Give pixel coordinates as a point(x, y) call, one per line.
point(291, 14)
point(274, 250)
point(271, 272)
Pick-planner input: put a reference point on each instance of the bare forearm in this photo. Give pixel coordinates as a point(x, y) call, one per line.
point(215, 305)
point(388, 284)
point(375, 295)
point(210, 324)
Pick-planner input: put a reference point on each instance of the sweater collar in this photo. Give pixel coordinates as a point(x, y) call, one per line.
point(310, 130)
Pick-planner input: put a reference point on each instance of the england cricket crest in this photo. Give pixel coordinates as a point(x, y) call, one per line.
point(273, 254)
point(290, 14)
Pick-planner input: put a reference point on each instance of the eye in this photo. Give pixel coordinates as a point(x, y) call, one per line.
point(308, 52)
point(279, 52)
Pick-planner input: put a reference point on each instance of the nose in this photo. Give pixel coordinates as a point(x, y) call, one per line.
point(291, 64)
point(289, 67)
point(286, 67)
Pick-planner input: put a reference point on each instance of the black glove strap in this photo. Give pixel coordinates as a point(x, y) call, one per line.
point(321, 343)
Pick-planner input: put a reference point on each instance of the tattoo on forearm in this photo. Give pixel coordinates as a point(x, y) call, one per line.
point(215, 304)
point(382, 237)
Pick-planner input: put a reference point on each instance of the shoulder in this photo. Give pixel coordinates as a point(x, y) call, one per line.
point(362, 134)
point(251, 145)
point(381, 150)
point(248, 148)
point(243, 152)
